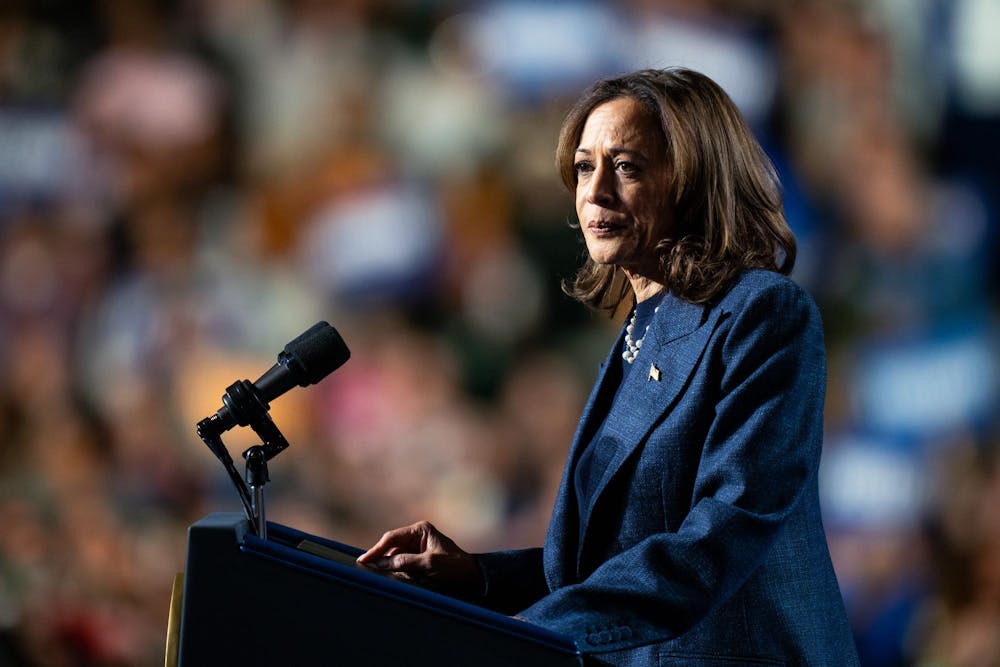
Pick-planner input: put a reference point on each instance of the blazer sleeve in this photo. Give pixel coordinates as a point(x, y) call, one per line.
point(512, 579)
point(761, 452)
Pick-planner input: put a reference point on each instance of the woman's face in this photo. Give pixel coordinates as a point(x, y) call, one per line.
point(622, 185)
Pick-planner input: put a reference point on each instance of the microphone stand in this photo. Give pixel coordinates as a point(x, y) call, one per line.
point(256, 458)
point(249, 410)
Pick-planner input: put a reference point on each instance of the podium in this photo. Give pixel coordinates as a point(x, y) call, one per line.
point(297, 599)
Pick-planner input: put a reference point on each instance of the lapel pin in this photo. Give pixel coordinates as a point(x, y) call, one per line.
point(654, 373)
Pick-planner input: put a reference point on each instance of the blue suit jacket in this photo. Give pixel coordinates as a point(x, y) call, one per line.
point(703, 542)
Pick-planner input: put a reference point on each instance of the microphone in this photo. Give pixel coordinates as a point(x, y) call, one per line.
point(305, 360)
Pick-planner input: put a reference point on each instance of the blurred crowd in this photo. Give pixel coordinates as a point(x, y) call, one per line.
point(186, 185)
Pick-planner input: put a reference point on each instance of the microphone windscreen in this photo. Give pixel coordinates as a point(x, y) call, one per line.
point(317, 352)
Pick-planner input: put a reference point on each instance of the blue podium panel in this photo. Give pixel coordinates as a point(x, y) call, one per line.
point(297, 599)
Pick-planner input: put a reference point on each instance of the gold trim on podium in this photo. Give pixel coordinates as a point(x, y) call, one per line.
point(174, 621)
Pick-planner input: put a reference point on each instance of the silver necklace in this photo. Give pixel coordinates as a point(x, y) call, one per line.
point(632, 346)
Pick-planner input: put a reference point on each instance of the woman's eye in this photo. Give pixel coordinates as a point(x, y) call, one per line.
point(583, 167)
point(626, 167)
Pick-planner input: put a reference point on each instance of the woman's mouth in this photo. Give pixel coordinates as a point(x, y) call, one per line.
point(604, 227)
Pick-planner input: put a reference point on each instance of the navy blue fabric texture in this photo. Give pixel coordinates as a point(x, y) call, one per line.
point(700, 539)
point(594, 460)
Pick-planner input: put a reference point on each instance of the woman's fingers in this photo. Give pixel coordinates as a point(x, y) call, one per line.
point(405, 539)
point(421, 553)
point(402, 562)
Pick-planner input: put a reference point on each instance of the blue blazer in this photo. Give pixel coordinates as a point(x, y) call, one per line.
point(703, 542)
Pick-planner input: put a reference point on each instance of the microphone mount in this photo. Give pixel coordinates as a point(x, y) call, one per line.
point(249, 409)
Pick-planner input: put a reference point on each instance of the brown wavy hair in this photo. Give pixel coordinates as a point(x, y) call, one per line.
point(728, 213)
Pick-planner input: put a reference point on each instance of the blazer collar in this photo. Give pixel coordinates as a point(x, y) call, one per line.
point(676, 318)
point(639, 405)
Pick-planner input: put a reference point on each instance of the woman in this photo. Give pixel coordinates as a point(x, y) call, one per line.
point(687, 526)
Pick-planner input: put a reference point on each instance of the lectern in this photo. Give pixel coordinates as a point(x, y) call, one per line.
point(298, 599)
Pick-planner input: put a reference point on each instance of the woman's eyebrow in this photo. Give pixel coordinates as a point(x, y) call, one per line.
point(614, 150)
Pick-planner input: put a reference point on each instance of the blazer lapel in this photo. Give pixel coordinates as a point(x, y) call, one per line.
point(562, 538)
point(673, 347)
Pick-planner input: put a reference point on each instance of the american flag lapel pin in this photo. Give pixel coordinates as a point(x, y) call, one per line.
point(654, 373)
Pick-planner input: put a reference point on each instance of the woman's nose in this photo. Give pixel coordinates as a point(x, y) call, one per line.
point(601, 188)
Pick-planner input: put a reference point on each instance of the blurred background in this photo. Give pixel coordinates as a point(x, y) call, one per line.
point(186, 185)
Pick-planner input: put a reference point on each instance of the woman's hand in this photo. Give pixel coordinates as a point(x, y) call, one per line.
point(422, 554)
